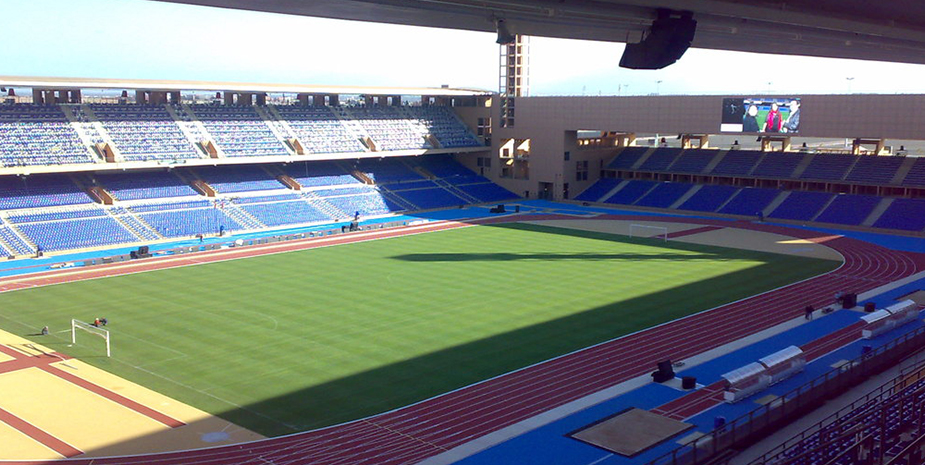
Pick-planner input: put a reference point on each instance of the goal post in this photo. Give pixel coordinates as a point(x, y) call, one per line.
point(95, 330)
point(645, 230)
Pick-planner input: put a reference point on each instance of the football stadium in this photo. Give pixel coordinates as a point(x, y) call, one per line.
point(209, 272)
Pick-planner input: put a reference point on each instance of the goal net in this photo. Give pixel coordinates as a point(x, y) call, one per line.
point(87, 327)
point(645, 230)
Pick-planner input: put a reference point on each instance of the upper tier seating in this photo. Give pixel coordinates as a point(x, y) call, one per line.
point(229, 179)
point(39, 191)
point(239, 131)
point(778, 165)
point(692, 161)
point(916, 175)
point(387, 170)
point(627, 158)
point(319, 129)
point(708, 198)
point(631, 192)
point(905, 214)
point(750, 201)
point(598, 189)
point(442, 166)
point(144, 132)
point(660, 159)
point(664, 195)
point(873, 169)
point(390, 127)
point(444, 125)
point(828, 166)
point(38, 135)
point(801, 206)
point(848, 209)
point(148, 185)
point(737, 162)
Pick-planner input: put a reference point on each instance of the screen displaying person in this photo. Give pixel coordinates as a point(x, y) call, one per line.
point(773, 122)
point(750, 120)
point(793, 121)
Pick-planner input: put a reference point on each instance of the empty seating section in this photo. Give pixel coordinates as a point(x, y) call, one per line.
point(39, 191)
point(487, 192)
point(368, 204)
point(848, 209)
point(286, 212)
point(444, 125)
point(76, 233)
point(37, 216)
point(660, 159)
point(38, 135)
point(387, 170)
point(152, 185)
point(390, 127)
point(627, 158)
point(777, 165)
point(436, 197)
point(319, 129)
point(905, 214)
point(231, 179)
point(631, 192)
point(442, 166)
point(749, 201)
point(172, 222)
point(319, 174)
point(737, 162)
point(239, 131)
point(916, 175)
point(664, 195)
point(266, 198)
point(18, 245)
point(144, 132)
point(829, 166)
point(801, 206)
point(708, 198)
point(873, 169)
point(404, 186)
point(599, 189)
point(693, 161)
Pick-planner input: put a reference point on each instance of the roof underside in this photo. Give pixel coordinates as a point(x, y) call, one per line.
point(884, 31)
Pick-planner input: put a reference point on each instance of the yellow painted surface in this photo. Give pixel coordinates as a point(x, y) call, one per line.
point(5, 357)
point(18, 446)
point(76, 416)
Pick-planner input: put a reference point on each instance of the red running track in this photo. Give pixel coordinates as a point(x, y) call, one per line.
point(425, 429)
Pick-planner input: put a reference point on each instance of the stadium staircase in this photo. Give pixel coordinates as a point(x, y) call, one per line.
point(404, 203)
point(715, 161)
point(132, 224)
point(104, 138)
point(903, 171)
point(200, 136)
point(720, 207)
point(687, 195)
point(188, 126)
point(242, 217)
point(85, 132)
point(353, 127)
point(283, 133)
point(801, 167)
point(292, 137)
point(642, 159)
point(14, 238)
point(877, 212)
point(824, 208)
point(775, 203)
point(457, 192)
point(321, 204)
point(613, 191)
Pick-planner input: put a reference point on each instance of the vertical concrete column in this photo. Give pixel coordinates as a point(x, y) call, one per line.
point(262, 98)
point(229, 98)
point(303, 99)
point(38, 96)
point(140, 97)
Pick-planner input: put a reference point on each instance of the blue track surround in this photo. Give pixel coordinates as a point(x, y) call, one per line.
point(550, 444)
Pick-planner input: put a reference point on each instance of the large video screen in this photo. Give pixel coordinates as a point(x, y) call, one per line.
point(761, 115)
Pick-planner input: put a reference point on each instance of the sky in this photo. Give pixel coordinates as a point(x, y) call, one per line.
point(141, 39)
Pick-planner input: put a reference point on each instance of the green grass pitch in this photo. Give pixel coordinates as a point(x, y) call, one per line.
point(286, 342)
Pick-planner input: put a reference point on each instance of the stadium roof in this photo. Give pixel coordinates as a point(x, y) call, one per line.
point(161, 85)
point(862, 29)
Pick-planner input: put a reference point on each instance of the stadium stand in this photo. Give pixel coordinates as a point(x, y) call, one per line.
point(829, 166)
point(778, 165)
point(801, 206)
point(277, 213)
point(916, 175)
point(76, 233)
point(39, 191)
point(848, 209)
point(322, 173)
point(238, 130)
point(692, 161)
point(233, 179)
point(904, 214)
point(144, 132)
point(598, 189)
point(390, 127)
point(631, 192)
point(872, 169)
point(749, 201)
point(319, 130)
point(39, 135)
point(660, 159)
point(708, 198)
point(627, 158)
point(149, 185)
point(664, 194)
point(387, 170)
point(444, 125)
point(737, 162)
point(185, 219)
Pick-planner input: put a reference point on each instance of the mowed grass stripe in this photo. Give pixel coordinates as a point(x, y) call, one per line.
point(305, 339)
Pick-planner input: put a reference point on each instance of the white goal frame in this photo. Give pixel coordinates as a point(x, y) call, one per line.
point(97, 331)
point(635, 226)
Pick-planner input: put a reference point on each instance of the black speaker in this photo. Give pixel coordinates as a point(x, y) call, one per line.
point(668, 38)
point(143, 250)
point(869, 307)
point(665, 372)
point(688, 382)
point(133, 254)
